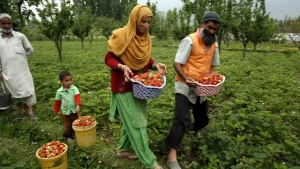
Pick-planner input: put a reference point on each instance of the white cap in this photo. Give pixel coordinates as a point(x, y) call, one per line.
point(4, 15)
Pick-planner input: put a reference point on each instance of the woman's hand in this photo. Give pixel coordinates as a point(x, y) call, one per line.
point(127, 73)
point(126, 70)
point(161, 68)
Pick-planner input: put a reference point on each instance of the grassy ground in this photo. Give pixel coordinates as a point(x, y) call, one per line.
point(19, 141)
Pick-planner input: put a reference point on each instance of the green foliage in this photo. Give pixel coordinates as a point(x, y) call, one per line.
point(114, 9)
point(128, 8)
point(178, 23)
point(55, 22)
point(225, 8)
point(155, 19)
point(254, 120)
point(19, 10)
point(161, 28)
point(107, 25)
point(263, 27)
point(242, 29)
point(33, 33)
point(82, 24)
point(197, 8)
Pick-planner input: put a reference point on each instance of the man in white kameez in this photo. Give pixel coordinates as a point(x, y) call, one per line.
point(14, 70)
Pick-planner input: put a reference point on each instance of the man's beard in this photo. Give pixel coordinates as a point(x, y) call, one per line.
point(208, 38)
point(6, 30)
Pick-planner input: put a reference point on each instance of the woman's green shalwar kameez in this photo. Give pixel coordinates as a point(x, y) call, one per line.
point(133, 114)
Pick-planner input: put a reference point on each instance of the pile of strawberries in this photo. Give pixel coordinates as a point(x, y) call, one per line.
point(149, 79)
point(51, 149)
point(210, 79)
point(84, 121)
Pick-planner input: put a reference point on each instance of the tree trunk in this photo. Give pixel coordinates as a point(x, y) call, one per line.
point(82, 43)
point(245, 49)
point(58, 44)
point(57, 48)
point(91, 38)
point(255, 46)
point(20, 3)
point(60, 49)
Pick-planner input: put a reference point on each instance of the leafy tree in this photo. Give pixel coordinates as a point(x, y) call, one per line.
point(126, 13)
point(83, 24)
point(154, 23)
point(107, 25)
point(105, 8)
point(55, 22)
point(197, 8)
point(24, 11)
point(292, 28)
point(93, 33)
point(19, 11)
point(171, 21)
point(184, 24)
point(242, 26)
point(85, 4)
point(5, 7)
point(263, 27)
point(225, 9)
point(227, 37)
point(161, 28)
point(179, 23)
point(32, 31)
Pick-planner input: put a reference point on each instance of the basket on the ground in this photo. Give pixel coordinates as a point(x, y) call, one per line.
point(58, 162)
point(208, 90)
point(85, 135)
point(146, 92)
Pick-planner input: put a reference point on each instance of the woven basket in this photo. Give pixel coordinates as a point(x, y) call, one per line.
point(208, 90)
point(141, 91)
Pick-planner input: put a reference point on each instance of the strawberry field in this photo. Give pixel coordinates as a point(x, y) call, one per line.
point(254, 120)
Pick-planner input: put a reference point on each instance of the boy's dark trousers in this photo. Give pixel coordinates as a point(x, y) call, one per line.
point(182, 122)
point(68, 120)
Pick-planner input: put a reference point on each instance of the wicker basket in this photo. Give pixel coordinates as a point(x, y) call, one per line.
point(141, 91)
point(208, 90)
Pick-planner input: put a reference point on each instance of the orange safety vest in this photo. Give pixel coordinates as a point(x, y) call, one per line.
point(199, 61)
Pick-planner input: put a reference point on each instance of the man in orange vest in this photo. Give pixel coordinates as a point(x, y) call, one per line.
point(197, 54)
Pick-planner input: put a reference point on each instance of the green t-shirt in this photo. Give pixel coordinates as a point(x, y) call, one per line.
point(68, 104)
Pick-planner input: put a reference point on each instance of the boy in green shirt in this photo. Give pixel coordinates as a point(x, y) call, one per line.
point(67, 103)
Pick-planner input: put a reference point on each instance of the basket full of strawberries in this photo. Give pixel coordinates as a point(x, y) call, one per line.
point(209, 84)
point(147, 85)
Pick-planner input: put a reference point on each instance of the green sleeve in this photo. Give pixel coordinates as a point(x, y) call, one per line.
point(76, 91)
point(58, 96)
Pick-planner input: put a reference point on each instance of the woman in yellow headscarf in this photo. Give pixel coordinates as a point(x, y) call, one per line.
point(129, 53)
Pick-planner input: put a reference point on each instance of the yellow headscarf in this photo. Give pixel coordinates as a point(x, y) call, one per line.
point(133, 50)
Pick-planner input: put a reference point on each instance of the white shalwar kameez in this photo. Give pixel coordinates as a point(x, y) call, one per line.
point(14, 52)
